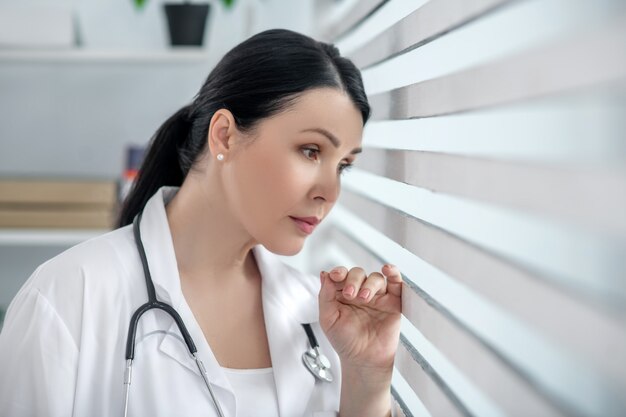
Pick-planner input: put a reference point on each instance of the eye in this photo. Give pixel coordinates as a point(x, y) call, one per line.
point(308, 151)
point(344, 168)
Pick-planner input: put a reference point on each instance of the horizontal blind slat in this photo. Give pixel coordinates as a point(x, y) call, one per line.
point(562, 192)
point(362, 10)
point(584, 129)
point(591, 59)
point(407, 399)
point(399, 404)
point(434, 19)
point(426, 384)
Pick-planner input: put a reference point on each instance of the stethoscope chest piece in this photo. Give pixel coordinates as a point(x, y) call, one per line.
point(318, 364)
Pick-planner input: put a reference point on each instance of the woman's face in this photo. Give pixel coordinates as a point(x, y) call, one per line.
point(292, 168)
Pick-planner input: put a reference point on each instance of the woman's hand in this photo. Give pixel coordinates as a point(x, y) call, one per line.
point(360, 315)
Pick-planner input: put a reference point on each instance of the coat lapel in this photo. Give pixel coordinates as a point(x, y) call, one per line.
point(285, 306)
point(176, 348)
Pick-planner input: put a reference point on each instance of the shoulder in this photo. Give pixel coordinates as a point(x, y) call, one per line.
point(96, 269)
point(108, 255)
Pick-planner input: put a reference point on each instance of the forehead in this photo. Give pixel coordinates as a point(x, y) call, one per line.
point(323, 108)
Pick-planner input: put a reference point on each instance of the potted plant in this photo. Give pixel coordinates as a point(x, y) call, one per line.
point(186, 21)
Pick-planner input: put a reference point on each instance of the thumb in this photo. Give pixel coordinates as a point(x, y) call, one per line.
point(328, 311)
point(327, 290)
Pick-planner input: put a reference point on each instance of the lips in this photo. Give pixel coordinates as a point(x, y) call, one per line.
point(306, 224)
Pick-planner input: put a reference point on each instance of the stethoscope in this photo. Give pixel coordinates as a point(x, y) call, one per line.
point(315, 362)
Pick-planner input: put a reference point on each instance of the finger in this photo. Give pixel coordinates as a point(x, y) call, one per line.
point(327, 298)
point(374, 284)
point(394, 279)
point(354, 279)
point(327, 290)
point(338, 273)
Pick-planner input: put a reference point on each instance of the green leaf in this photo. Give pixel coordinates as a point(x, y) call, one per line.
point(139, 4)
point(228, 3)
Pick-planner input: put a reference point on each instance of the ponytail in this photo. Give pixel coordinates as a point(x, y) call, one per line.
point(161, 165)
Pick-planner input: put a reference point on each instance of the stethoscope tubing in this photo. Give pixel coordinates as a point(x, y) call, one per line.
point(153, 303)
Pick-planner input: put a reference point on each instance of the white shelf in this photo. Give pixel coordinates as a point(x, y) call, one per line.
point(77, 55)
point(47, 237)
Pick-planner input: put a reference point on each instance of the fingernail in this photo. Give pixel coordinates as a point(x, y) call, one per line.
point(365, 292)
point(349, 291)
point(334, 271)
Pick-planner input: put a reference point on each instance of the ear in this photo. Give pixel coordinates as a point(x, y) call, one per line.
point(222, 133)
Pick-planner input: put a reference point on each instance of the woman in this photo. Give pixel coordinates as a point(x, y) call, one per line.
point(244, 172)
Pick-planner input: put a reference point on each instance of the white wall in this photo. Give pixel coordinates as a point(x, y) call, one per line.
point(73, 116)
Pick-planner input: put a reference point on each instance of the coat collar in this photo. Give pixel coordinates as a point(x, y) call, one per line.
point(288, 298)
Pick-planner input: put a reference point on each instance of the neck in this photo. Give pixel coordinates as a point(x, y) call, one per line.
point(211, 245)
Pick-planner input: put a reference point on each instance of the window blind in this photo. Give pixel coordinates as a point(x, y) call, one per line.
point(494, 176)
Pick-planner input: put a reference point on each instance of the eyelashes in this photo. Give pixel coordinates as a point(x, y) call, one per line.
point(342, 167)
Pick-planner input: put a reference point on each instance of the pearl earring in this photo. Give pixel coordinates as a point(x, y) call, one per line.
point(220, 157)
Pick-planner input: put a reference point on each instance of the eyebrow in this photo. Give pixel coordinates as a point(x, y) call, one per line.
point(330, 137)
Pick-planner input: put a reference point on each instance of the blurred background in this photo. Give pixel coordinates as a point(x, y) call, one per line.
point(493, 172)
point(83, 86)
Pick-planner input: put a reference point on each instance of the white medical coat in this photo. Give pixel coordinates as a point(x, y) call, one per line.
point(62, 348)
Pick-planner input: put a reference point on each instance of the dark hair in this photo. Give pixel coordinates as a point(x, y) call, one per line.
point(256, 79)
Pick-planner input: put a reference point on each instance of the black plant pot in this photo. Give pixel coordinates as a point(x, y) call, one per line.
point(186, 23)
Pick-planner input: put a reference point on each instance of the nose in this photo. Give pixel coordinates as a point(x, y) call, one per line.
point(327, 186)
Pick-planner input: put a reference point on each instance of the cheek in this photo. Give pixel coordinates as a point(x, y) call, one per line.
point(289, 179)
point(269, 191)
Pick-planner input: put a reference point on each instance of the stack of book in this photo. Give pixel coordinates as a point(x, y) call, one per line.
point(32, 203)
